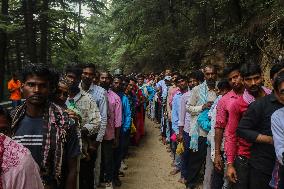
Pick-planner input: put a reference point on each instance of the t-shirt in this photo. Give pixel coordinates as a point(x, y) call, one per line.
point(30, 135)
point(15, 95)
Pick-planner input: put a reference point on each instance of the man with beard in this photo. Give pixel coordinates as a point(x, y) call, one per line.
point(232, 73)
point(255, 127)
point(201, 99)
point(36, 125)
point(99, 94)
point(90, 124)
point(119, 152)
point(111, 138)
point(237, 149)
point(184, 121)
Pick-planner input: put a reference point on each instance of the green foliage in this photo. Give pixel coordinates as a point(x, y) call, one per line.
point(150, 35)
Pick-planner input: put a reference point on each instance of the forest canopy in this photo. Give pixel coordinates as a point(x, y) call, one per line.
point(137, 35)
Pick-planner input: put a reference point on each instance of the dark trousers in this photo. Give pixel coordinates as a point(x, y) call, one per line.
point(107, 160)
point(195, 162)
point(121, 151)
point(258, 179)
point(86, 175)
point(185, 155)
point(158, 112)
point(243, 171)
point(217, 181)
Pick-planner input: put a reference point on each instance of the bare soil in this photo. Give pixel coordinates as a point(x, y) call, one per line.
point(149, 165)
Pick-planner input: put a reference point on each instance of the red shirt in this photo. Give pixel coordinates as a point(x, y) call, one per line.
point(223, 107)
point(234, 145)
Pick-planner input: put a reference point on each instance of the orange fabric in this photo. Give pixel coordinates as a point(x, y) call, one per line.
point(15, 95)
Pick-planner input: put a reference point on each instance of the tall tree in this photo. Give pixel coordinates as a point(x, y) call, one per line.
point(44, 26)
point(30, 34)
point(3, 45)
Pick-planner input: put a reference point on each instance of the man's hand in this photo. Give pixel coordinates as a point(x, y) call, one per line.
point(207, 105)
point(232, 174)
point(218, 162)
point(72, 114)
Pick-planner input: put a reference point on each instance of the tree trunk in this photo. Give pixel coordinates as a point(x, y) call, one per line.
point(44, 25)
point(3, 47)
point(235, 12)
point(18, 52)
point(30, 30)
point(79, 17)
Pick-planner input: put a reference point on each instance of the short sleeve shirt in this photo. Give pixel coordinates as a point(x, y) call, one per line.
point(30, 135)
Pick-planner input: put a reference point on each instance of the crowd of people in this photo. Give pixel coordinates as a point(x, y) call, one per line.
point(76, 125)
point(74, 128)
point(224, 132)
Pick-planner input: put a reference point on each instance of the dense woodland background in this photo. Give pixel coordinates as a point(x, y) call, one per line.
point(139, 35)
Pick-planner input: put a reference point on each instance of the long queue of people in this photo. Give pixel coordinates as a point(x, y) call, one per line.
point(73, 129)
point(225, 132)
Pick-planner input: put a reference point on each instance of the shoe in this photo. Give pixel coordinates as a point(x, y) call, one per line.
point(123, 165)
point(117, 182)
point(182, 180)
point(174, 172)
point(109, 185)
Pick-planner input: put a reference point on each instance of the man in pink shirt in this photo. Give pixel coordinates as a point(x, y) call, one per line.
point(232, 73)
point(237, 149)
point(111, 138)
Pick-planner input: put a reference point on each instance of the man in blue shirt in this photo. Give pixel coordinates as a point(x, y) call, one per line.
point(182, 84)
point(120, 152)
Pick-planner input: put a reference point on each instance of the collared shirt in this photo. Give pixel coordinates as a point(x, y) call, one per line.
point(195, 108)
point(99, 95)
point(162, 84)
point(114, 114)
point(172, 91)
point(277, 126)
point(184, 116)
point(89, 111)
point(257, 120)
point(235, 145)
point(175, 112)
point(126, 112)
point(211, 134)
point(223, 109)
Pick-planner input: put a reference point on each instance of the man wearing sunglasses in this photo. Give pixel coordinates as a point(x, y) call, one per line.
point(255, 127)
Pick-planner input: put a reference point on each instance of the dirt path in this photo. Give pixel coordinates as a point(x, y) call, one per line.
point(149, 164)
